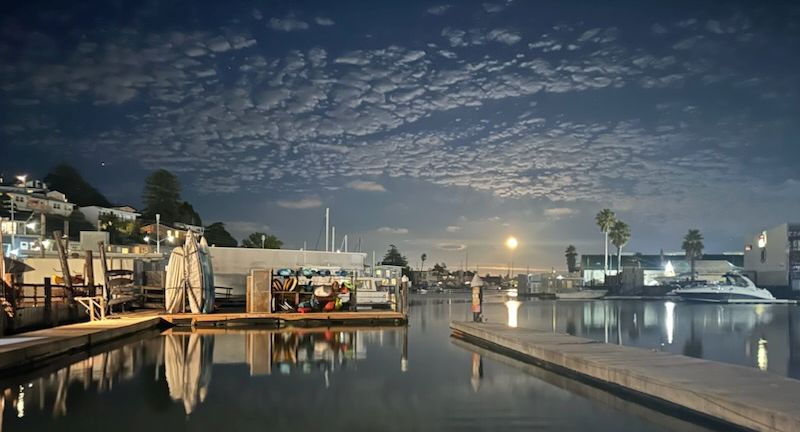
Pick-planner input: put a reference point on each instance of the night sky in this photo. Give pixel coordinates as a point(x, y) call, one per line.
point(437, 127)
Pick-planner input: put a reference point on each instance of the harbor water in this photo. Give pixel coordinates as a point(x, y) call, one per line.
point(394, 378)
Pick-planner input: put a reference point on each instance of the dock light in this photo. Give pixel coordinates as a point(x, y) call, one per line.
point(146, 239)
point(170, 238)
point(30, 225)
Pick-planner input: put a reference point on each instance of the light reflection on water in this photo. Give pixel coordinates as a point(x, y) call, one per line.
point(766, 337)
point(320, 379)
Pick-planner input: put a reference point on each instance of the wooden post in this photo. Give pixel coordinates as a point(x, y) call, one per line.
point(101, 246)
point(62, 256)
point(88, 273)
point(48, 296)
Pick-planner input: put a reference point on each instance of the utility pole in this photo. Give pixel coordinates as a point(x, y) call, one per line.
point(158, 233)
point(13, 224)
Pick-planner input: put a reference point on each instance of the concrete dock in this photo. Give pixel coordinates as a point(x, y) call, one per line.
point(29, 349)
point(734, 395)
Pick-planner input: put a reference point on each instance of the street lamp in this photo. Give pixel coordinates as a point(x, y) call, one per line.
point(511, 244)
point(169, 239)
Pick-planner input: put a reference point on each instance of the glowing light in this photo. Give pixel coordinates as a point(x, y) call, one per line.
point(670, 320)
point(22, 179)
point(146, 239)
point(761, 355)
point(762, 240)
point(512, 243)
point(31, 225)
point(669, 270)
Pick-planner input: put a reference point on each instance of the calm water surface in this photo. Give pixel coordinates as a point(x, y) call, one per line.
point(760, 336)
point(379, 379)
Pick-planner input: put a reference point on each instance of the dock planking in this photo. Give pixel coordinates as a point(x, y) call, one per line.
point(31, 348)
point(735, 395)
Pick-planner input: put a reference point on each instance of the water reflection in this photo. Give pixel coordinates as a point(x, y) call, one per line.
point(181, 362)
point(738, 334)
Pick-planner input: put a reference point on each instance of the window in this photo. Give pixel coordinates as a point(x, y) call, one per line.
point(19, 199)
point(56, 206)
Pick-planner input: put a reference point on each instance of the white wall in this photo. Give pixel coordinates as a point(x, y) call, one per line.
point(774, 271)
point(232, 265)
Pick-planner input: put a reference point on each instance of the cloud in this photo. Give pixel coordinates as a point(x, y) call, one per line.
point(369, 186)
point(287, 24)
point(324, 21)
point(302, 203)
point(560, 212)
point(453, 228)
point(390, 230)
point(451, 247)
point(505, 36)
point(438, 10)
point(493, 7)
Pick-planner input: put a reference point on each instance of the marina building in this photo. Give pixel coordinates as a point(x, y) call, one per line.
point(656, 267)
point(772, 259)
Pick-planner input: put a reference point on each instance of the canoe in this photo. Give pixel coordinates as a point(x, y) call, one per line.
point(194, 274)
point(174, 287)
point(208, 277)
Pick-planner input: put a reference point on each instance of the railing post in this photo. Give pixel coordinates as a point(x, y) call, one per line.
point(48, 298)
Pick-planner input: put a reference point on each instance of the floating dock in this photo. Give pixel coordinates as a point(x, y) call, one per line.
point(32, 348)
point(286, 318)
point(734, 395)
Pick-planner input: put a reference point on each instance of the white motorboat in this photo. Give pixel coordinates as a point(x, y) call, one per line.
point(734, 288)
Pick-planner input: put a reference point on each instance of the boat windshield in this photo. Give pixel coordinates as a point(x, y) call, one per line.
point(736, 280)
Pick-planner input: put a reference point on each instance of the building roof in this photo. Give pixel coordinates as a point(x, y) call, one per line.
point(654, 262)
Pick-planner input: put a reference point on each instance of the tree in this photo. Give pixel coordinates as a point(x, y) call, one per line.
point(572, 258)
point(67, 180)
point(693, 246)
point(120, 231)
point(605, 220)
point(440, 270)
point(188, 215)
point(393, 257)
point(260, 240)
point(161, 195)
point(423, 258)
point(620, 234)
point(217, 235)
point(637, 259)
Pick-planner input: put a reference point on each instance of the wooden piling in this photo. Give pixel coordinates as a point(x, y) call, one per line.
point(62, 257)
point(88, 272)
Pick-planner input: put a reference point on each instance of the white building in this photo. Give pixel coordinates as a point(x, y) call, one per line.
point(50, 203)
point(94, 213)
point(772, 257)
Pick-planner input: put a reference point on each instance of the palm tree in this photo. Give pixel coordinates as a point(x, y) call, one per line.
point(423, 258)
point(693, 245)
point(620, 234)
point(571, 253)
point(605, 220)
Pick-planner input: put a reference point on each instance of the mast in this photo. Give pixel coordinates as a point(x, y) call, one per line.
point(327, 227)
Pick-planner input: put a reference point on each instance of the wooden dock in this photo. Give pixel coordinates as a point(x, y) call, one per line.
point(292, 318)
point(735, 395)
point(32, 348)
